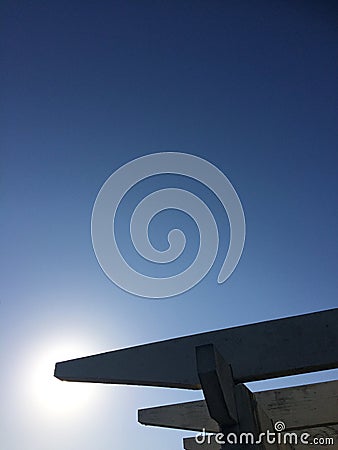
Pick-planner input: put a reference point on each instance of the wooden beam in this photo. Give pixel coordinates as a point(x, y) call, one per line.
point(299, 407)
point(259, 351)
point(192, 416)
point(307, 406)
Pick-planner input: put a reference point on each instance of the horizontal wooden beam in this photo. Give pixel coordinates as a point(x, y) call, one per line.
point(258, 351)
point(193, 416)
point(299, 407)
point(307, 406)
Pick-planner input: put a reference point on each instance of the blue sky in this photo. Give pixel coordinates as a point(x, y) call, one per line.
point(89, 86)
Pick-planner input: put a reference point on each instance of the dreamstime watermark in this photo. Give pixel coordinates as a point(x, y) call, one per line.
point(116, 187)
point(279, 436)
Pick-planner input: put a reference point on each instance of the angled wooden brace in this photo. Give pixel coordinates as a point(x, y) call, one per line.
point(218, 385)
point(232, 406)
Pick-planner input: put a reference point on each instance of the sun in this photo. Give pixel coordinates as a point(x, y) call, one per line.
point(49, 394)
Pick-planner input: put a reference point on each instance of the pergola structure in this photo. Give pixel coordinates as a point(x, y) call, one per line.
point(220, 362)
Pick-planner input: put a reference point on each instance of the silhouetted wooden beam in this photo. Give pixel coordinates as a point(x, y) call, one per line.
point(299, 407)
point(193, 416)
point(258, 351)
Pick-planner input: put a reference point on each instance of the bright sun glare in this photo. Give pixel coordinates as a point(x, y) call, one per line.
point(47, 392)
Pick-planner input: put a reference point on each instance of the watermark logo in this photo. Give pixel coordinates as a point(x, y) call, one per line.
point(279, 426)
point(116, 187)
point(279, 436)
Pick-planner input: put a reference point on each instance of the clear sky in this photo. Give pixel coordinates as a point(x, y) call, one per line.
point(88, 86)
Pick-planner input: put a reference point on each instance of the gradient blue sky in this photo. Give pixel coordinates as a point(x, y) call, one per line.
point(88, 86)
